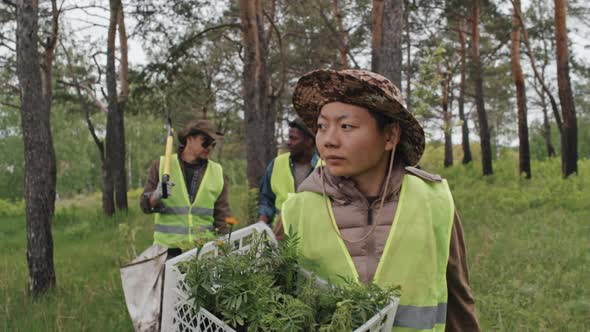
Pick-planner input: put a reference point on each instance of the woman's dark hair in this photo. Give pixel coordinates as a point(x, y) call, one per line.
point(383, 121)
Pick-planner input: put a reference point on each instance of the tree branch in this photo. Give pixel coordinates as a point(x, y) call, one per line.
point(6, 45)
point(534, 66)
point(488, 55)
point(90, 14)
point(186, 44)
point(10, 3)
point(97, 66)
point(83, 103)
point(271, 19)
point(54, 25)
point(90, 23)
point(283, 78)
point(334, 36)
point(9, 105)
point(84, 7)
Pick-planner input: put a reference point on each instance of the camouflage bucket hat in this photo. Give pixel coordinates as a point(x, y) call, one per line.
point(362, 88)
point(197, 127)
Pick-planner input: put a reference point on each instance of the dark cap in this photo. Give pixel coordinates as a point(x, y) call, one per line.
point(198, 127)
point(299, 124)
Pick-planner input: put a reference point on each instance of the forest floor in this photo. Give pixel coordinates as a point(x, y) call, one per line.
point(528, 244)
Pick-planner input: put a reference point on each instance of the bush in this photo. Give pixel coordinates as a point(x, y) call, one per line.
point(12, 208)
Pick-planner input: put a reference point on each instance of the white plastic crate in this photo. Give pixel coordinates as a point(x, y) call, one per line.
point(178, 311)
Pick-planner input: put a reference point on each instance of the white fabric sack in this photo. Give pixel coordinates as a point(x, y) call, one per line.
point(142, 284)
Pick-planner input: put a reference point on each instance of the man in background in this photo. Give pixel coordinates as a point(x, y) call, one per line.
point(198, 194)
point(286, 172)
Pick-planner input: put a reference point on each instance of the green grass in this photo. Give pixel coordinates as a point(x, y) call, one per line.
point(87, 254)
point(528, 246)
point(88, 250)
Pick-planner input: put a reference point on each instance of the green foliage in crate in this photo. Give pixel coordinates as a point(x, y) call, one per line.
point(264, 290)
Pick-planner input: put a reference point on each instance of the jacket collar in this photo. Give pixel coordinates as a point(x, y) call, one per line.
point(343, 191)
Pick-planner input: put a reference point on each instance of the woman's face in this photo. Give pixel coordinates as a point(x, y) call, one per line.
point(349, 140)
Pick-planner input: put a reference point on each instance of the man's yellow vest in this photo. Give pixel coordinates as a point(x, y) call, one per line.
point(180, 220)
point(282, 182)
point(415, 255)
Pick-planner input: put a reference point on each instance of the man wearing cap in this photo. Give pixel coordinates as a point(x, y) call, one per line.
point(368, 215)
point(286, 172)
point(198, 196)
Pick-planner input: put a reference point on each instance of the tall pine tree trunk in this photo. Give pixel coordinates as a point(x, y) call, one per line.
point(546, 123)
point(120, 172)
point(260, 118)
point(569, 135)
point(524, 156)
point(464, 124)
point(343, 44)
point(108, 189)
point(541, 93)
point(408, 57)
point(476, 67)
point(40, 165)
point(388, 26)
point(115, 137)
point(547, 131)
point(447, 118)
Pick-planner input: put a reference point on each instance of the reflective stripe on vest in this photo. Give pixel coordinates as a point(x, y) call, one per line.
point(420, 318)
point(179, 220)
point(170, 229)
point(415, 255)
point(184, 210)
point(282, 182)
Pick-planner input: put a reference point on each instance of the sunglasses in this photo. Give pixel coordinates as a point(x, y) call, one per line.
point(208, 142)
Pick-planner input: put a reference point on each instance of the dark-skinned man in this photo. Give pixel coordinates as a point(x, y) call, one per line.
point(198, 194)
point(285, 173)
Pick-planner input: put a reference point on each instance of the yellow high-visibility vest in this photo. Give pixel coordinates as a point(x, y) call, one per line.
point(415, 255)
point(282, 181)
point(181, 219)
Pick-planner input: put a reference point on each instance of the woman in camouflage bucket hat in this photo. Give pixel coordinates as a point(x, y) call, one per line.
point(362, 88)
point(367, 215)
